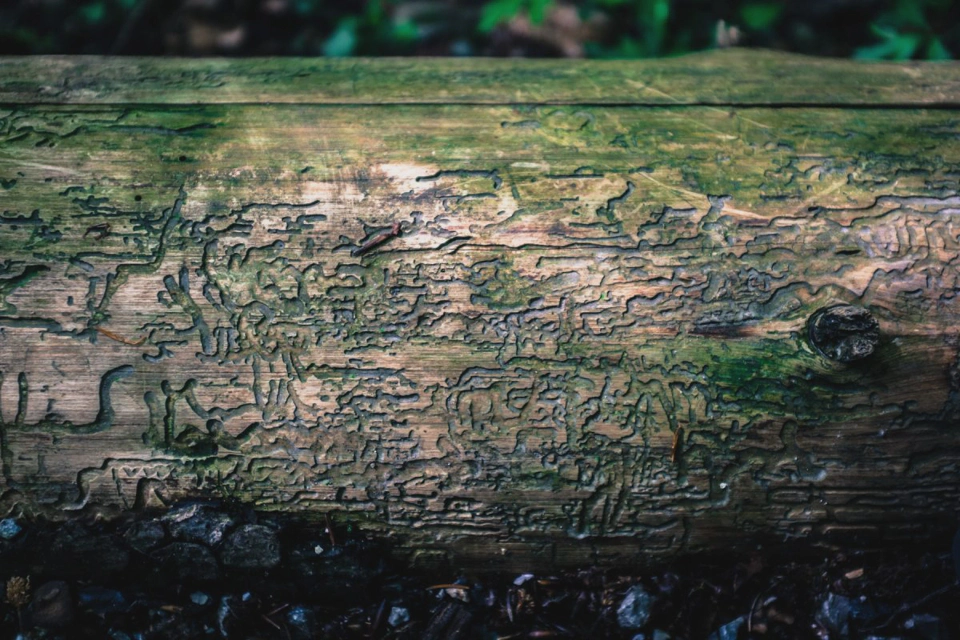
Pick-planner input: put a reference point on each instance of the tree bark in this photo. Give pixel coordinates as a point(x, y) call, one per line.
point(543, 312)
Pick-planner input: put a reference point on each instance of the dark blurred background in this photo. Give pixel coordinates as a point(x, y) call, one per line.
point(872, 29)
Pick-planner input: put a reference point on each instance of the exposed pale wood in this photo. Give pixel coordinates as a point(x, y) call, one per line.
point(182, 313)
point(734, 76)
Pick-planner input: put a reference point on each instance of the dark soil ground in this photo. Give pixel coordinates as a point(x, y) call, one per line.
point(209, 571)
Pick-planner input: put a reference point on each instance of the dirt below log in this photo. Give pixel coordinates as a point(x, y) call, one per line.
point(205, 570)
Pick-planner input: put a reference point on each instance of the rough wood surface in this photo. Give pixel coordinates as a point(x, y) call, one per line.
point(587, 341)
point(735, 76)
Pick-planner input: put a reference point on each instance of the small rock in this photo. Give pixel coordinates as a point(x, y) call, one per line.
point(398, 616)
point(838, 614)
point(252, 546)
point(925, 626)
point(302, 623)
point(101, 601)
point(9, 528)
point(145, 536)
point(634, 610)
point(199, 598)
point(660, 634)
point(78, 551)
point(51, 606)
point(198, 523)
point(835, 613)
point(728, 631)
point(188, 561)
point(458, 593)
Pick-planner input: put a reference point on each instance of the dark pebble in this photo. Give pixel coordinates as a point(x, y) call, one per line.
point(101, 601)
point(78, 551)
point(302, 624)
point(187, 562)
point(252, 546)
point(198, 523)
point(145, 536)
point(51, 606)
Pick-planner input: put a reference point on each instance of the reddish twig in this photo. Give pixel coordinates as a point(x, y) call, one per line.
point(377, 240)
point(333, 539)
point(448, 586)
point(378, 619)
point(118, 338)
point(677, 442)
point(100, 231)
point(271, 622)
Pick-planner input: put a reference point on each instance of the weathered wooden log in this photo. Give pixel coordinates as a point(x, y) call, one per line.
point(549, 311)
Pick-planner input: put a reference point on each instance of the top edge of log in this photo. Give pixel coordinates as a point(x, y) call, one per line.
point(734, 77)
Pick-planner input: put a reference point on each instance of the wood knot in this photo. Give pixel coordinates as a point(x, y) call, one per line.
point(844, 333)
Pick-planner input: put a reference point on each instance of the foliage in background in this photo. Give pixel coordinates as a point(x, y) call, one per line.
point(907, 31)
point(872, 29)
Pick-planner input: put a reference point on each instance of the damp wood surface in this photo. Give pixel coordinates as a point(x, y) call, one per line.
point(475, 321)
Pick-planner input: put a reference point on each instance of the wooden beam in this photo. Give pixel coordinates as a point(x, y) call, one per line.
point(588, 339)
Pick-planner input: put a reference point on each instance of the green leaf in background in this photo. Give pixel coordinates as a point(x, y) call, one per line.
point(343, 41)
point(895, 45)
point(406, 31)
point(653, 22)
point(538, 10)
point(375, 12)
point(497, 12)
point(760, 15)
point(628, 48)
point(909, 14)
point(901, 29)
point(305, 7)
point(936, 51)
point(93, 12)
point(661, 11)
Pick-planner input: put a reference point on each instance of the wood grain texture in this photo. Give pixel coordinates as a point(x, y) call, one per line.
point(588, 342)
point(734, 76)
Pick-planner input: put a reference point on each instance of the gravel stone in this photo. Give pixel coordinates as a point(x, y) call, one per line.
point(188, 562)
point(9, 528)
point(198, 523)
point(634, 610)
point(145, 536)
point(398, 616)
point(252, 546)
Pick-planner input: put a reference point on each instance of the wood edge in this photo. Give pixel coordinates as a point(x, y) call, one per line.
point(730, 77)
